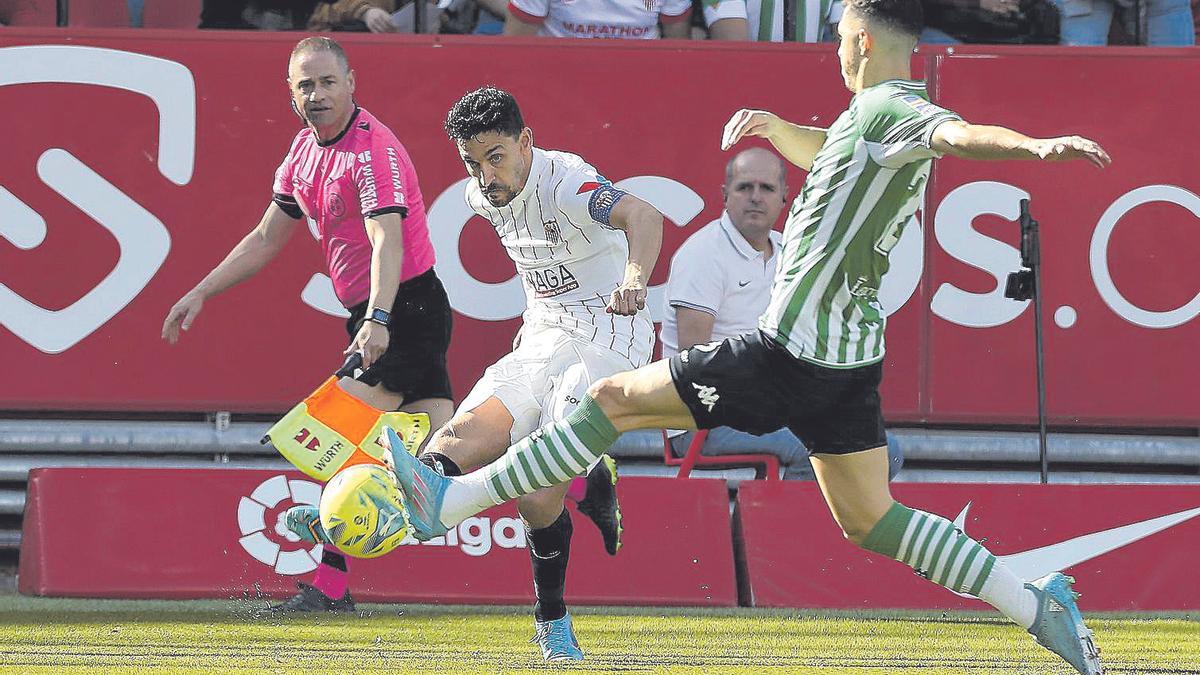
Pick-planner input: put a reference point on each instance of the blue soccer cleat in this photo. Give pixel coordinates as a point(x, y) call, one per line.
point(304, 520)
point(557, 640)
point(1059, 625)
point(424, 490)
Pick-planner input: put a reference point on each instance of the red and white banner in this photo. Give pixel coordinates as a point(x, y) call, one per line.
point(216, 533)
point(1130, 547)
point(114, 209)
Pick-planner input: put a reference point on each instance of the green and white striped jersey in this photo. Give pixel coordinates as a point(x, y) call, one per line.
point(865, 184)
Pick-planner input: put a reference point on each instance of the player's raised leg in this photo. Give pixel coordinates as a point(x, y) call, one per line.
point(856, 489)
point(641, 399)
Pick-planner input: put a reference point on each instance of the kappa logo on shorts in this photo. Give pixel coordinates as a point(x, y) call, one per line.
point(708, 395)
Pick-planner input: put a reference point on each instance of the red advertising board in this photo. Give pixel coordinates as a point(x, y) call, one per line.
point(214, 533)
point(148, 154)
point(1130, 547)
point(1121, 288)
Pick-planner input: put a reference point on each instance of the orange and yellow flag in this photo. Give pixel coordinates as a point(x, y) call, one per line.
point(331, 430)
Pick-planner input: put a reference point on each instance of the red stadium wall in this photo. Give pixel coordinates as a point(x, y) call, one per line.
point(118, 196)
point(124, 533)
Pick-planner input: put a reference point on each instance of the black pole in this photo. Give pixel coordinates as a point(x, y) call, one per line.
point(419, 16)
point(789, 20)
point(1031, 257)
point(62, 13)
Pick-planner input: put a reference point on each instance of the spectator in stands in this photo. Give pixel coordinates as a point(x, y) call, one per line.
point(375, 15)
point(947, 21)
point(492, 16)
point(621, 19)
point(1160, 23)
point(816, 20)
point(719, 284)
point(723, 20)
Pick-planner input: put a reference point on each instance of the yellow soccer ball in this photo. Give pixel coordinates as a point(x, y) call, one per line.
point(362, 511)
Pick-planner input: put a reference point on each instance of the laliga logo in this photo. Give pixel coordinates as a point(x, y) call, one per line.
point(141, 237)
point(252, 521)
point(476, 536)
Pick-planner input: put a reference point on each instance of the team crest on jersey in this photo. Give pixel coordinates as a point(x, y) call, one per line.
point(335, 205)
point(553, 235)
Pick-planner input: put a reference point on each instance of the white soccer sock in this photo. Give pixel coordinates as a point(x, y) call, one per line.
point(1007, 593)
point(466, 496)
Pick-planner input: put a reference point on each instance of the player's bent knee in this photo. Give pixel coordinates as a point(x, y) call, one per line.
point(610, 394)
point(541, 508)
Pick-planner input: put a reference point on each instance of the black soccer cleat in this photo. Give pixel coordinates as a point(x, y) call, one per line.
point(600, 503)
point(311, 600)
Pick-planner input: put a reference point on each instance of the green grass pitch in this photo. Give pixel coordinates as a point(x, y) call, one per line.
point(55, 636)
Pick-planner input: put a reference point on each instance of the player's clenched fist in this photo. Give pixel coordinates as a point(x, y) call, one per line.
point(181, 316)
point(747, 122)
point(1066, 148)
point(627, 299)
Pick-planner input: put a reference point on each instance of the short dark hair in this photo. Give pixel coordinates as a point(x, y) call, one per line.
point(903, 15)
point(321, 44)
point(483, 110)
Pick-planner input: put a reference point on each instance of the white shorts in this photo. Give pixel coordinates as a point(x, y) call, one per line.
point(544, 378)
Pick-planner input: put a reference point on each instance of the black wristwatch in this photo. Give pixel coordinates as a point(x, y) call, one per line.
point(379, 316)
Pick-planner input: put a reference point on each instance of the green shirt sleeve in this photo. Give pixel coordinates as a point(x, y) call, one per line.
point(897, 125)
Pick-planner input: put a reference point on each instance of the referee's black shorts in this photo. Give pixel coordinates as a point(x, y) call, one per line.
point(753, 384)
point(414, 364)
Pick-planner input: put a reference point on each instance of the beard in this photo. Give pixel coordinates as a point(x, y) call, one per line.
point(499, 195)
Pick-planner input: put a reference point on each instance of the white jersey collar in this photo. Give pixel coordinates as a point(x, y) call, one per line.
point(741, 245)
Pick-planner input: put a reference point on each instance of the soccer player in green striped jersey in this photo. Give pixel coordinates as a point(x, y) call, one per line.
point(814, 365)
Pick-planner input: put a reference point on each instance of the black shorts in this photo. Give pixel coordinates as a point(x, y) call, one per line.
point(753, 384)
point(415, 361)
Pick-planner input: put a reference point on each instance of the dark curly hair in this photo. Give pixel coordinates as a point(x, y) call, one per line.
point(905, 16)
point(483, 110)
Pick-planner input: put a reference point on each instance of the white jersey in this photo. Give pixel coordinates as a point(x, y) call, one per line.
point(622, 19)
point(557, 232)
point(764, 18)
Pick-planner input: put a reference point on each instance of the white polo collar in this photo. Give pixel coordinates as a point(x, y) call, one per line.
point(742, 246)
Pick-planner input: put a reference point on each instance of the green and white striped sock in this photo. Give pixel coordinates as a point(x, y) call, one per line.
point(554, 454)
point(940, 552)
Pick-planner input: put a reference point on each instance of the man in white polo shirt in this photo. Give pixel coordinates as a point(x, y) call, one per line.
point(720, 284)
point(619, 19)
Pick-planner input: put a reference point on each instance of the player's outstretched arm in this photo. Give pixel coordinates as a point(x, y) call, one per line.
point(799, 144)
point(254, 251)
point(977, 141)
point(643, 225)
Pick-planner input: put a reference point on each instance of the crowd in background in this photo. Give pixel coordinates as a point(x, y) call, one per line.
point(1071, 22)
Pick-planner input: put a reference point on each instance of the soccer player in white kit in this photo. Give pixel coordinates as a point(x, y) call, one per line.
point(584, 250)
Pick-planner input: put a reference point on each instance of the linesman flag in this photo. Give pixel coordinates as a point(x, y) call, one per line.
point(332, 430)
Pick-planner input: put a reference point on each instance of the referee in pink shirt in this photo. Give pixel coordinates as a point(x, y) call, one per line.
point(347, 172)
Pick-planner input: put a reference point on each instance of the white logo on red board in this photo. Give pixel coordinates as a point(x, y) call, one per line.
point(477, 536)
point(265, 536)
point(1038, 562)
point(141, 237)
